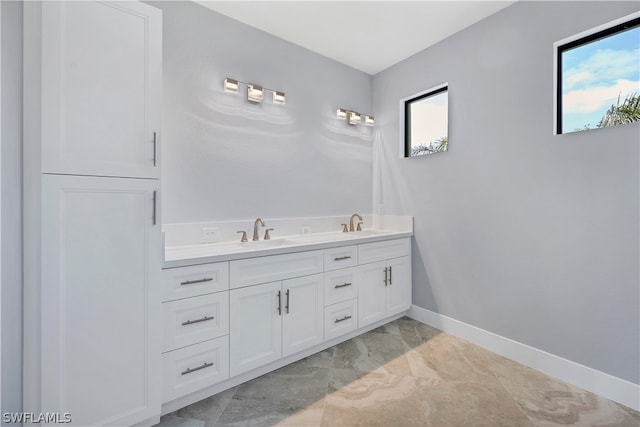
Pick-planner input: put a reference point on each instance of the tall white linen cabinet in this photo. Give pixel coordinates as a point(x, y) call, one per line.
point(92, 95)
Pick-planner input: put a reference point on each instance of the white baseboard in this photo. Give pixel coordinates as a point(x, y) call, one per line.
point(600, 383)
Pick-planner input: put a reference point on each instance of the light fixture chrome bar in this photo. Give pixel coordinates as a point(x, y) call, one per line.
point(353, 117)
point(255, 93)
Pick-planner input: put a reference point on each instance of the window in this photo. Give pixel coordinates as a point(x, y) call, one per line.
point(426, 121)
point(598, 77)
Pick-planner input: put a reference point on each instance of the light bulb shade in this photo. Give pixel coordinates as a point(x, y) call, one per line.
point(368, 120)
point(231, 85)
point(278, 97)
point(353, 118)
point(255, 93)
point(341, 114)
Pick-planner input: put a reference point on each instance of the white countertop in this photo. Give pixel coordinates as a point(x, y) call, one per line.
point(180, 256)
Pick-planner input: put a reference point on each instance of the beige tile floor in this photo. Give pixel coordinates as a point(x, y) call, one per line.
point(405, 374)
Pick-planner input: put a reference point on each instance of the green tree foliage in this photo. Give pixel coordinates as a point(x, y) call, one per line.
point(627, 112)
point(438, 146)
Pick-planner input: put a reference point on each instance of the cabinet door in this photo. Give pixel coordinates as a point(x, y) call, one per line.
point(399, 289)
point(372, 293)
point(100, 316)
point(101, 88)
point(303, 316)
point(255, 326)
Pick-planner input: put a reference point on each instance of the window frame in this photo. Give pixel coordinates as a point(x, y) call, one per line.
point(405, 103)
point(601, 31)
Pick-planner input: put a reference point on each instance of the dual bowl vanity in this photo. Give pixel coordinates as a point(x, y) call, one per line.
point(233, 311)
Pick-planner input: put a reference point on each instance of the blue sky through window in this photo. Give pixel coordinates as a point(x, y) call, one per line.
point(595, 74)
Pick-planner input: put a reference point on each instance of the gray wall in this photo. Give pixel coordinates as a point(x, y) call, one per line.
point(11, 181)
point(517, 231)
point(224, 158)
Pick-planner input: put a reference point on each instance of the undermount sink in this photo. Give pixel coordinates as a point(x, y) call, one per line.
point(257, 244)
point(333, 237)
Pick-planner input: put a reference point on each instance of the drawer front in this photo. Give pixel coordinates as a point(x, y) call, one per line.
point(184, 282)
point(195, 367)
point(340, 285)
point(246, 272)
point(378, 251)
point(335, 258)
point(192, 320)
point(340, 319)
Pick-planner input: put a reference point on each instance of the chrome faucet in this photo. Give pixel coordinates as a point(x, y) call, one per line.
point(351, 221)
point(255, 228)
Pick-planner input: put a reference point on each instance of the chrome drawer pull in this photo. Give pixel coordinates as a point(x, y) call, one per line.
point(344, 285)
point(342, 258)
point(342, 319)
point(190, 370)
point(386, 280)
point(191, 282)
point(191, 322)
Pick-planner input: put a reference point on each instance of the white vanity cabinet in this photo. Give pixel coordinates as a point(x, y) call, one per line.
point(282, 307)
point(384, 280)
point(100, 323)
point(101, 71)
point(195, 313)
point(341, 291)
point(275, 319)
point(93, 242)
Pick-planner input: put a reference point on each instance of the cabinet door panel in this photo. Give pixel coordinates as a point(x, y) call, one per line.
point(255, 326)
point(303, 302)
point(399, 289)
point(100, 324)
point(101, 88)
point(371, 293)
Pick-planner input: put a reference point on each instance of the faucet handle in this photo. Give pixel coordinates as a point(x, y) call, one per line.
point(359, 226)
point(267, 236)
point(244, 236)
point(344, 228)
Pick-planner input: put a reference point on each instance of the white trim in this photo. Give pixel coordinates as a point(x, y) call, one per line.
point(600, 383)
point(574, 37)
point(401, 122)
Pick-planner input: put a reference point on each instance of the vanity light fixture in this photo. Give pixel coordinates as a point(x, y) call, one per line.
point(231, 85)
point(353, 117)
point(278, 97)
point(255, 93)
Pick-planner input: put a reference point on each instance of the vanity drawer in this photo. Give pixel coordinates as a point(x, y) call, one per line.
point(340, 319)
point(342, 257)
point(246, 272)
point(340, 285)
point(388, 249)
point(195, 367)
point(192, 320)
point(184, 282)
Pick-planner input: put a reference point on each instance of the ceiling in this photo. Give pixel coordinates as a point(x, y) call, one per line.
point(367, 35)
